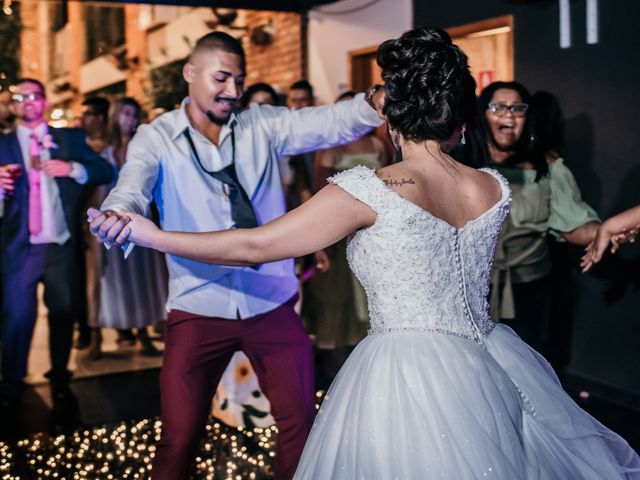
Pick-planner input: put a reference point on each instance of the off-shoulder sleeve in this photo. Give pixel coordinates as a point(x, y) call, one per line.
point(362, 184)
point(568, 210)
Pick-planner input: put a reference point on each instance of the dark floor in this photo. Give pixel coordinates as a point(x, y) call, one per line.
point(121, 409)
point(99, 400)
point(108, 429)
point(624, 421)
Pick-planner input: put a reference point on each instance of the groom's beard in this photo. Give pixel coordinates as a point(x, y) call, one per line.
point(217, 120)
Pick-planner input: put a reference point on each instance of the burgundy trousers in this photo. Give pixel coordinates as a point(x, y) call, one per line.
point(197, 351)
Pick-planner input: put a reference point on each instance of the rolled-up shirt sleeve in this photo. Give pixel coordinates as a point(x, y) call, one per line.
point(138, 176)
point(313, 128)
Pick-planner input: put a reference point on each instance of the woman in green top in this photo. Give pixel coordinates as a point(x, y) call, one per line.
point(545, 200)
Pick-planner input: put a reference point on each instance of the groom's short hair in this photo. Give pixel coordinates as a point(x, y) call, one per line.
point(219, 41)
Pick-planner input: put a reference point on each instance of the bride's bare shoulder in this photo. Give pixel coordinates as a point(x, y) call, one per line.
point(486, 185)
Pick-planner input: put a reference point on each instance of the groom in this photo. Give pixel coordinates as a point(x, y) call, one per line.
point(209, 168)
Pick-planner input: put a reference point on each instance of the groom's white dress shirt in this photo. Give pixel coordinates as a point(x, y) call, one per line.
point(161, 167)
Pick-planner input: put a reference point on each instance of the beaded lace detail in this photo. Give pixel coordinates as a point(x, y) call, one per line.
point(420, 273)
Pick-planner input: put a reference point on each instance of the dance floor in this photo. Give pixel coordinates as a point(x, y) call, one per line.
point(117, 357)
point(81, 438)
point(109, 427)
point(108, 431)
point(125, 451)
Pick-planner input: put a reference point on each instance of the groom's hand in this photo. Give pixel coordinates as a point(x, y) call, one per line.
point(375, 97)
point(106, 225)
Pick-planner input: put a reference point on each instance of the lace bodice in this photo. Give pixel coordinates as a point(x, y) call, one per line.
point(419, 272)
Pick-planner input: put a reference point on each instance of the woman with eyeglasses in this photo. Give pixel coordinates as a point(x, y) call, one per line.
point(546, 200)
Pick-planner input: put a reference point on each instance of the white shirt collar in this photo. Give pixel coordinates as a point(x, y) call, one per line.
point(41, 130)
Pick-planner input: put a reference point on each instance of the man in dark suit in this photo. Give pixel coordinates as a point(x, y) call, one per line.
point(42, 172)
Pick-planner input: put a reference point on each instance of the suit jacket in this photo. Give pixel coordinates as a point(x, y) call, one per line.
point(71, 146)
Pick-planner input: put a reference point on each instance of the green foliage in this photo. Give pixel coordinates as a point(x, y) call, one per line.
point(168, 88)
point(104, 27)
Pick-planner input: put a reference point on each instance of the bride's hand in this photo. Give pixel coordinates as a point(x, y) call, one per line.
point(139, 230)
point(595, 250)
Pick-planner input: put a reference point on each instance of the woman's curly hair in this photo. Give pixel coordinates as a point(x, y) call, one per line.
point(429, 90)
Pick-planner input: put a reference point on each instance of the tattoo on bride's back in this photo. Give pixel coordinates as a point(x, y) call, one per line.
point(399, 182)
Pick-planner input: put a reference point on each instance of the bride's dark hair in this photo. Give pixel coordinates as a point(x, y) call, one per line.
point(429, 90)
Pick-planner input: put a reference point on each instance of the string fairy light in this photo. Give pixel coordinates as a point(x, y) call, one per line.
point(6, 7)
point(126, 450)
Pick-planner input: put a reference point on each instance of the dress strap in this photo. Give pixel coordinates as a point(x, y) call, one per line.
point(505, 189)
point(361, 183)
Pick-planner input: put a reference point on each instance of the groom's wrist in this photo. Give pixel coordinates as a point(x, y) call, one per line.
point(368, 95)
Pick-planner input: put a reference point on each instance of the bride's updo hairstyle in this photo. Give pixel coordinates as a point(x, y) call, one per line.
point(429, 91)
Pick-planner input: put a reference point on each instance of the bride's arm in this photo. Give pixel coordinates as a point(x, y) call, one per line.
point(327, 217)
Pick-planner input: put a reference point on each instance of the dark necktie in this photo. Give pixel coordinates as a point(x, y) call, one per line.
point(242, 211)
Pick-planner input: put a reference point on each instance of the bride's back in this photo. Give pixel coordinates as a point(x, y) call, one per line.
point(448, 190)
point(426, 261)
point(419, 271)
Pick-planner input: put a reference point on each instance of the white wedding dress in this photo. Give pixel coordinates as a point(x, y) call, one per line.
point(437, 389)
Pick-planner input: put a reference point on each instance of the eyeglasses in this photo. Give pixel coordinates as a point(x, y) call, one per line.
point(19, 98)
point(517, 109)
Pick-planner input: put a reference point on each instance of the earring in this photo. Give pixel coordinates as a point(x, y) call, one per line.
point(463, 140)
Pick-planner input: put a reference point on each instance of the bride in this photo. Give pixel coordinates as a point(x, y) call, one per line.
point(437, 389)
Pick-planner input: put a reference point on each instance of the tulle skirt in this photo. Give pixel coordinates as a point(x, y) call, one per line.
point(409, 405)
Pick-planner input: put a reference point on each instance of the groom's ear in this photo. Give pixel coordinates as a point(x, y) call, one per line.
point(188, 72)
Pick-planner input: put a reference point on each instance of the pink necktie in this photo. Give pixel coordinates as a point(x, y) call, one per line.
point(35, 202)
